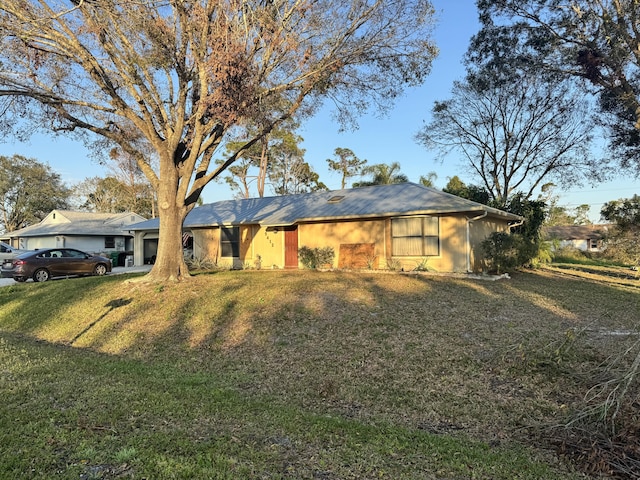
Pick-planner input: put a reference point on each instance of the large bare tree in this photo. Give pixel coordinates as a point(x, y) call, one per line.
point(593, 40)
point(177, 75)
point(124, 189)
point(513, 136)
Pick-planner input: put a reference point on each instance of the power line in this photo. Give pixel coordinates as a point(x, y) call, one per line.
point(580, 204)
point(601, 191)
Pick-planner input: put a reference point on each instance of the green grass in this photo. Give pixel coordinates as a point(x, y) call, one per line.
point(584, 260)
point(69, 412)
point(573, 256)
point(272, 375)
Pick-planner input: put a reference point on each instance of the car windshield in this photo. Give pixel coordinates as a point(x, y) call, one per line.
point(5, 247)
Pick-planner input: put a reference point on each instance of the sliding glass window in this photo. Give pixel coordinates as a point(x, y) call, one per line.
point(415, 236)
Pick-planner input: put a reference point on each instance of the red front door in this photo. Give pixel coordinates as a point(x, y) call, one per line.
point(291, 247)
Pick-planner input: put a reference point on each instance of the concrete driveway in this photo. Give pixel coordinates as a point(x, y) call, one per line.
point(4, 282)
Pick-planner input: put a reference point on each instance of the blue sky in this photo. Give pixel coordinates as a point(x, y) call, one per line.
point(378, 140)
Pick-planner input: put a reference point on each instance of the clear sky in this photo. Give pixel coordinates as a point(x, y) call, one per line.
point(378, 140)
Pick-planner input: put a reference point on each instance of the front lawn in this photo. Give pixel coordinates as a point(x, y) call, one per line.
point(333, 375)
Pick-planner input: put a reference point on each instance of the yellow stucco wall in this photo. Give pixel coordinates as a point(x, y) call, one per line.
point(455, 249)
point(479, 230)
point(333, 234)
point(268, 244)
point(254, 241)
point(453, 244)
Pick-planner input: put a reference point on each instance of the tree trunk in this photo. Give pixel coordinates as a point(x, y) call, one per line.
point(262, 172)
point(170, 264)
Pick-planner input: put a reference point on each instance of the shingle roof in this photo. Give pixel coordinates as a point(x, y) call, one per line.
point(576, 232)
point(79, 223)
point(365, 202)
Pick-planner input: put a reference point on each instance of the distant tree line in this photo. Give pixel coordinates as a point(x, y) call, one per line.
point(30, 189)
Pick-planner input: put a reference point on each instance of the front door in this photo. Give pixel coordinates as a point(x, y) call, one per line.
point(291, 247)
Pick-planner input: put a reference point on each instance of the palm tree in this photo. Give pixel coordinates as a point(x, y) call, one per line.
point(382, 174)
point(429, 179)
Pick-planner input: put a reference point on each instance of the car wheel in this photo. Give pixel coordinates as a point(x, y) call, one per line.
point(20, 279)
point(41, 275)
point(100, 269)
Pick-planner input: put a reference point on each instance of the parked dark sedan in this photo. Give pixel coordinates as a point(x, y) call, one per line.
point(43, 264)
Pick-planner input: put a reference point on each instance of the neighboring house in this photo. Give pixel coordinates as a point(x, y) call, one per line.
point(587, 238)
point(367, 227)
point(90, 232)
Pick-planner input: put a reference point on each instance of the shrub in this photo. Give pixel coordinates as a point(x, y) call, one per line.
point(544, 255)
point(315, 257)
point(256, 265)
point(570, 254)
point(325, 256)
point(201, 263)
point(371, 261)
point(307, 257)
point(423, 266)
point(623, 249)
point(394, 264)
point(502, 251)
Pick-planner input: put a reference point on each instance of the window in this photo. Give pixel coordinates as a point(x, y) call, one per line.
point(109, 242)
point(73, 254)
point(51, 254)
point(230, 241)
point(415, 237)
point(594, 244)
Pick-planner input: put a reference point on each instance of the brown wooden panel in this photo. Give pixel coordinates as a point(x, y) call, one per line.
point(357, 255)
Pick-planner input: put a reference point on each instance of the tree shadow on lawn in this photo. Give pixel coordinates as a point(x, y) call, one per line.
point(410, 341)
point(40, 308)
point(111, 305)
